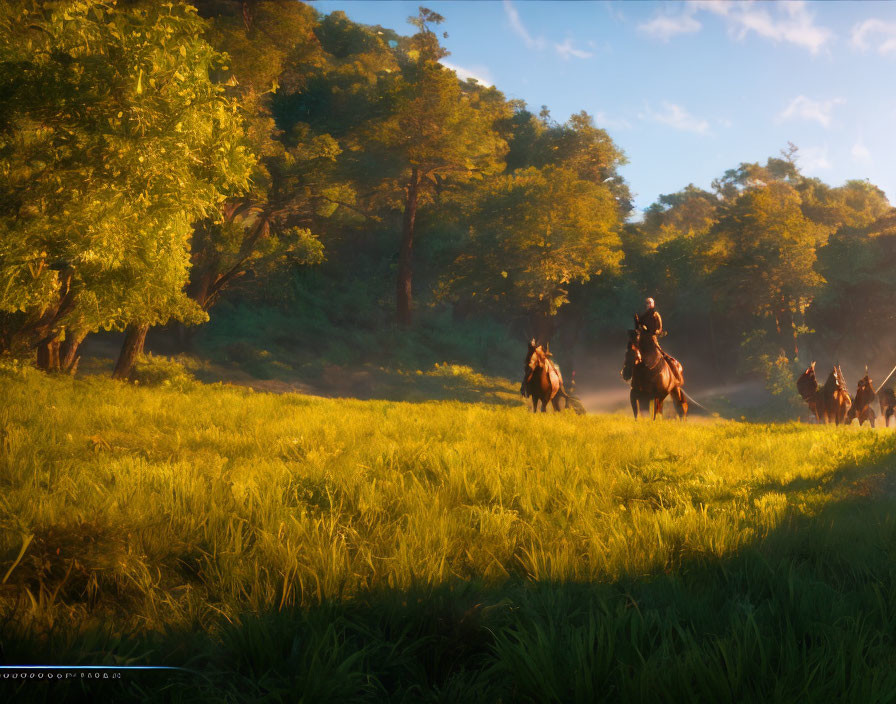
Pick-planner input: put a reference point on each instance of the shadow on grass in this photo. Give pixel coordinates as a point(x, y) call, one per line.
point(807, 613)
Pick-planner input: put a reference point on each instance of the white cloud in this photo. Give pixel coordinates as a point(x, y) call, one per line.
point(678, 118)
point(792, 22)
point(517, 24)
point(805, 108)
point(860, 152)
point(861, 32)
point(566, 50)
point(664, 26)
point(477, 73)
point(814, 159)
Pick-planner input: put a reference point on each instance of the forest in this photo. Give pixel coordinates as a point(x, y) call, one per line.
point(260, 181)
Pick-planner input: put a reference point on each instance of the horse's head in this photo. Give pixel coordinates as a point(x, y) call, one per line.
point(835, 380)
point(632, 354)
point(807, 384)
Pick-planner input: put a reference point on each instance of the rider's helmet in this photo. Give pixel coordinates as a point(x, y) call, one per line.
point(649, 303)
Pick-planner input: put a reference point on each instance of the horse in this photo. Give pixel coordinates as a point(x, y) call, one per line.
point(887, 398)
point(543, 381)
point(653, 375)
point(807, 387)
point(830, 402)
point(861, 405)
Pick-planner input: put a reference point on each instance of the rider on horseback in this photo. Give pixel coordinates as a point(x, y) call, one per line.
point(553, 369)
point(651, 321)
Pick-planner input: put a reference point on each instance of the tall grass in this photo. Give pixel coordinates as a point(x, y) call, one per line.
point(294, 547)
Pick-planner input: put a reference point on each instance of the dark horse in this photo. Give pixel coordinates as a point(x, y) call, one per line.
point(653, 375)
point(830, 402)
point(543, 382)
point(861, 405)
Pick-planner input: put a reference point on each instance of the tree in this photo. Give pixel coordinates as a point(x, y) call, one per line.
point(762, 253)
point(113, 139)
point(689, 213)
point(270, 43)
point(533, 233)
point(854, 309)
point(433, 132)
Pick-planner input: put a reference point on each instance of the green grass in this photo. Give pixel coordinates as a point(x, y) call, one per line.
point(292, 548)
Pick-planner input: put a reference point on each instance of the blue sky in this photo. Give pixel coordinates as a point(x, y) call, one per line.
point(689, 89)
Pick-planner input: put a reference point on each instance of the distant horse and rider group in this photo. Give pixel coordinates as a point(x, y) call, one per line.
point(831, 403)
point(655, 375)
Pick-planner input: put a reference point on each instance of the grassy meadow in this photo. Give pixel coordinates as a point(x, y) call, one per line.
point(295, 548)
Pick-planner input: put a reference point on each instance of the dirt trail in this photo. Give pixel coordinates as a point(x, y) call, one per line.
point(748, 394)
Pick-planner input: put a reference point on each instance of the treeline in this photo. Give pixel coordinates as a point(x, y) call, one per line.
point(157, 159)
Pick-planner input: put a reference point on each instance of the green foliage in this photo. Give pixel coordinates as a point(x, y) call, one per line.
point(763, 249)
point(577, 145)
point(113, 140)
point(294, 184)
point(689, 213)
point(157, 370)
point(343, 327)
point(760, 355)
point(533, 233)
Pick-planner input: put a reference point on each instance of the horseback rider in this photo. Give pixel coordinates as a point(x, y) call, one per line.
point(651, 321)
point(553, 369)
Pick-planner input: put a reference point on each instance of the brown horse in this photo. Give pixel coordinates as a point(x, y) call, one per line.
point(653, 375)
point(542, 382)
point(887, 398)
point(828, 403)
point(861, 405)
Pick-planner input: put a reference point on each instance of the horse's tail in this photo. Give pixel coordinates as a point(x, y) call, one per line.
point(572, 401)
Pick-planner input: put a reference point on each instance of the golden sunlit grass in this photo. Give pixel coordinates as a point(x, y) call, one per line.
point(243, 519)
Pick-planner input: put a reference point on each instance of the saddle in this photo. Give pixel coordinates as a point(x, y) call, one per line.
point(674, 365)
point(554, 375)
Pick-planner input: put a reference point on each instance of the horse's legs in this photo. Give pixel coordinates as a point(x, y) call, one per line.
point(657, 407)
point(555, 402)
point(681, 402)
point(544, 405)
point(534, 404)
point(633, 397)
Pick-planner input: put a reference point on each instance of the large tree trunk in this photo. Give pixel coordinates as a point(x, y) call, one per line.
point(132, 348)
point(403, 283)
point(68, 353)
point(199, 288)
point(543, 327)
point(48, 354)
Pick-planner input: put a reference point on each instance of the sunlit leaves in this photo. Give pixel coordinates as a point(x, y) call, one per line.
point(533, 233)
point(113, 140)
